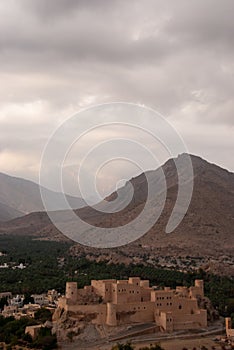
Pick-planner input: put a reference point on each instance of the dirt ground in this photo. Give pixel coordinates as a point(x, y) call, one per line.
point(176, 344)
point(188, 343)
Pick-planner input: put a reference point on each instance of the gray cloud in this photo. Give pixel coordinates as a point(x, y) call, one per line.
point(60, 55)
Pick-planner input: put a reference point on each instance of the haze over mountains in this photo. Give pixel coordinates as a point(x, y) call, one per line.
point(19, 197)
point(206, 230)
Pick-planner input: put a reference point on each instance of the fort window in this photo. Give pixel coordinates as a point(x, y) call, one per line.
point(180, 307)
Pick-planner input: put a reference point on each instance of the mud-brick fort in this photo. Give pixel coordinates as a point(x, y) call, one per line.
point(114, 303)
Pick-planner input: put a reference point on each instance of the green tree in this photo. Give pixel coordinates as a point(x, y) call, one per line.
point(3, 302)
point(45, 340)
point(152, 347)
point(43, 315)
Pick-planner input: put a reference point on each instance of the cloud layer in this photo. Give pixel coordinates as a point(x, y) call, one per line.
point(59, 56)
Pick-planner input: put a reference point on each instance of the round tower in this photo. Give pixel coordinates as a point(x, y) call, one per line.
point(111, 314)
point(71, 291)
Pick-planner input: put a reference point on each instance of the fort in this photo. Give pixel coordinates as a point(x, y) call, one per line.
point(123, 302)
point(229, 329)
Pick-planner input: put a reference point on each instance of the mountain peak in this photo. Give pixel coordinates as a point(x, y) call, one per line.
point(206, 230)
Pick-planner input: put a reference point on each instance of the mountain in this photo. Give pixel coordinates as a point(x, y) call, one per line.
point(19, 197)
point(206, 232)
point(8, 213)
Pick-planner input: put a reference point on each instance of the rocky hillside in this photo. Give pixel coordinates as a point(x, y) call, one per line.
point(207, 230)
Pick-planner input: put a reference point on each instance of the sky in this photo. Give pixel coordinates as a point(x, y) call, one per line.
point(58, 57)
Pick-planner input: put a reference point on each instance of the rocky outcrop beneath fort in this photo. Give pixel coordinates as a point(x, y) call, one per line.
point(70, 326)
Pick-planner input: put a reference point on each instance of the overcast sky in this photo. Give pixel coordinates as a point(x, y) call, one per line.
point(58, 56)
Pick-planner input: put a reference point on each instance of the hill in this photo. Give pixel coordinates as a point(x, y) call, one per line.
point(8, 213)
point(19, 197)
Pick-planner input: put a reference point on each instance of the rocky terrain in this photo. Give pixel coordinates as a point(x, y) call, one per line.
point(206, 232)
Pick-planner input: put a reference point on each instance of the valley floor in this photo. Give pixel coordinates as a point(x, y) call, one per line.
point(177, 344)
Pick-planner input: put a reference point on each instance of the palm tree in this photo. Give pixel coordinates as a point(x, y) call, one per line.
point(152, 347)
point(126, 346)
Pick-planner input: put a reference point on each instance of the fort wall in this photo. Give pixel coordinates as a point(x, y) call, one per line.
point(133, 301)
point(229, 330)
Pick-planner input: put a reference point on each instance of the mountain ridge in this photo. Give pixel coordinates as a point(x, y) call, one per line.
point(20, 196)
point(206, 230)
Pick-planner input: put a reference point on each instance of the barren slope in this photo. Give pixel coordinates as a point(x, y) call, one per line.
point(207, 229)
